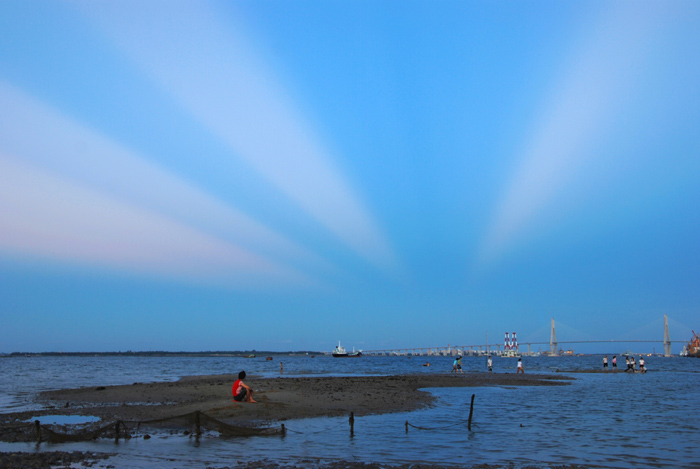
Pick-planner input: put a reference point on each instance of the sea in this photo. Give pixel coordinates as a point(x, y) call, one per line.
point(610, 420)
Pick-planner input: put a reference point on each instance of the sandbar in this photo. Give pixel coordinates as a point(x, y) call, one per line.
point(279, 399)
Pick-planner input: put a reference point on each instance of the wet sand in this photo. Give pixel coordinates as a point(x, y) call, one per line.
point(278, 399)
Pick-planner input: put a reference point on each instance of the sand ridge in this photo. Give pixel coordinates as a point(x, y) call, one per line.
point(278, 399)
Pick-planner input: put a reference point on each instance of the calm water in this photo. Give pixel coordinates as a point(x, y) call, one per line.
point(618, 420)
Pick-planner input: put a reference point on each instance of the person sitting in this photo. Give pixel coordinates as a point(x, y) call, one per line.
point(241, 391)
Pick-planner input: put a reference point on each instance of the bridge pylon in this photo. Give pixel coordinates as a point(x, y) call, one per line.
point(667, 338)
point(553, 340)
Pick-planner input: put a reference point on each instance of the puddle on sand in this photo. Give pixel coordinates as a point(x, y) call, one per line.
point(64, 419)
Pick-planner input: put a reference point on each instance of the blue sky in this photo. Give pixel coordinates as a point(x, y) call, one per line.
point(283, 175)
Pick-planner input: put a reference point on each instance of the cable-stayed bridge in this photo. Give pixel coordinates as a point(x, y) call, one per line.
point(514, 348)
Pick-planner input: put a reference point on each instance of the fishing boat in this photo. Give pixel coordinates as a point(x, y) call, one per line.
point(340, 352)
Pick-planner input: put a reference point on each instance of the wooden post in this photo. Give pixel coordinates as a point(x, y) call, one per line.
point(116, 432)
point(197, 426)
point(284, 430)
point(471, 411)
point(406, 426)
point(352, 424)
point(37, 427)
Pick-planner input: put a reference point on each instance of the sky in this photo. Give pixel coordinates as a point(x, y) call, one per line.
point(275, 175)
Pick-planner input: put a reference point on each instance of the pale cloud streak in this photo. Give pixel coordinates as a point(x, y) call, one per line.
point(215, 73)
point(578, 114)
point(70, 193)
point(46, 216)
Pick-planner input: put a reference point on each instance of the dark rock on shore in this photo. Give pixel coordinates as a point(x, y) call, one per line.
point(50, 459)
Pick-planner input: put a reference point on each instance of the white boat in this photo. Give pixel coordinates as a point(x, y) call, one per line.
point(340, 352)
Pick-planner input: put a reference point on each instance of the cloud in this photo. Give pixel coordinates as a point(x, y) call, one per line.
point(49, 216)
point(71, 194)
point(215, 73)
point(44, 136)
point(593, 91)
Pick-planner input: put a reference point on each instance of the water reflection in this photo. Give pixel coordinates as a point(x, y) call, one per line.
point(64, 419)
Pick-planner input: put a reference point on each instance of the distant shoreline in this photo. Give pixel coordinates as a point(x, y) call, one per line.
point(236, 353)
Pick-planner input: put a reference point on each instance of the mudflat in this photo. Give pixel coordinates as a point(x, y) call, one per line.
point(278, 398)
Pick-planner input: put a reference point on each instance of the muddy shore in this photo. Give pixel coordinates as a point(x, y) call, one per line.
point(60, 460)
point(51, 459)
point(278, 399)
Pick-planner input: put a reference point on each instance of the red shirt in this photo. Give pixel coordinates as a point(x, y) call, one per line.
point(236, 387)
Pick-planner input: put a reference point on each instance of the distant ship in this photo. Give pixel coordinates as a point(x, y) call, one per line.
point(692, 349)
point(339, 352)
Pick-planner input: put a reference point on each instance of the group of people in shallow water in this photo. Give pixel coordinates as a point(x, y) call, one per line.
point(457, 365)
point(629, 360)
